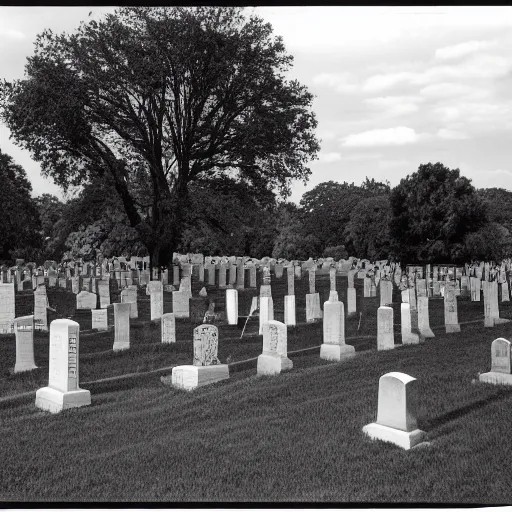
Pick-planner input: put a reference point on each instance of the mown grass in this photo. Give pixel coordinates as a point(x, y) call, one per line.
point(294, 437)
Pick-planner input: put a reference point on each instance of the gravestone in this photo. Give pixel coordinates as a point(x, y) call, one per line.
point(505, 294)
point(156, 293)
point(206, 367)
point(313, 311)
point(222, 275)
point(232, 274)
point(397, 411)
point(168, 328)
point(104, 293)
point(240, 276)
point(367, 284)
point(423, 318)
point(279, 270)
point(7, 313)
point(332, 279)
point(291, 281)
point(129, 296)
point(476, 287)
point(99, 319)
point(408, 337)
point(176, 275)
point(333, 347)
point(40, 308)
point(52, 277)
point(180, 304)
point(500, 364)
point(121, 326)
point(450, 309)
point(266, 312)
point(351, 301)
point(232, 306)
point(385, 334)
point(63, 391)
point(252, 277)
point(86, 300)
point(289, 310)
point(386, 292)
point(312, 279)
point(186, 285)
point(75, 284)
point(24, 330)
point(298, 271)
point(274, 358)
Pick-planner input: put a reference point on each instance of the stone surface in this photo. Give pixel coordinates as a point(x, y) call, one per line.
point(450, 309)
point(351, 301)
point(408, 337)
point(423, 318)
point(104, 292)
point(24, 331)
point(266, 305)
point(289, 310)
point(385, 335)
point(386, 292)
point(86, 300)
point(6, 307)
point(274, 358)
point(121, 326)
point(99, 319)
point(291, 280)
point(180, 304)
point(40, 308)
point(206, 345)
point(156, 294)
point(405, 440)
point(312, 280)
point(189, 377)
point(168, 327)
point(313, 311)
point(63, 391)
point(129, 296)
point(232, 306)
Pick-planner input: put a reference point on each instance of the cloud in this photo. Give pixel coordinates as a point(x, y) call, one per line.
point(449, 89)
point(12, 34)
point(463, 49)
point(382, 137)
point(444, 133)
point(359, 157)
point(326, 135)
point(395, 105)
point(330, 157)
point(392, 164)
point(385, 80)
point(340, 82)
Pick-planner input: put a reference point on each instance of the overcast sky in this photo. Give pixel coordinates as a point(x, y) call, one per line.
point(395, 87)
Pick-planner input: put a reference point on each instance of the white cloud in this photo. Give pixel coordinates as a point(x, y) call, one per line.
point(382, 137)
point(384, 81)
point(330, 157)
point(340, 82)
point(463, 49)
point(392, 164)
point(444, 133)
point(395, 105)
point(360, 157)
point(449, 89)
point(326, 135)
point(12, 34)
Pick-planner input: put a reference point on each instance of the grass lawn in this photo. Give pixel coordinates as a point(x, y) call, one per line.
point(294, 437)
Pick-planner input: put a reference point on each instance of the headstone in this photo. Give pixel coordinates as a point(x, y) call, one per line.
point(86, 300)
point(222, 275)
point(232, 306)
point(52, 277)
point(351, 301)
point(279, 270)
point(423, 318)
point(168, 328)
point(206, 368)
point(332, 279)
point(291, 281)
point(500, 364)
point(104, 292)
point(99, 319)
point(298, 271)
point(75, 284)
point(156, 292)
point(40, 308)
point(266, 312)
point(476, 287)
point(24, 330)
point(505, 294)
point(333, 347)
point(385, 334)
point(232, 274)
point(313, 311)
point(121, 326)
point(129, 296)
point(289, 309)
point(450, 309)
point(180, 304)
point(386, 292)
point(240, 276)
point(252, 277)
point(176, 275)
point(186, 285)
point(274, 358)
point(63, 391)
point(397, 411)
point(7, 313)
point(408, 337)
point(312, 279)
point(367, 284)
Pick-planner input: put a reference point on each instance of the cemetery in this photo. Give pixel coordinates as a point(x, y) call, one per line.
point(311, 400)
point(178, 326)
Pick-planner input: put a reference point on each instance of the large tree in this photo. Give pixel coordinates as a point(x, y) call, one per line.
point(433, 210)
point(20, 227)
point(158, 98)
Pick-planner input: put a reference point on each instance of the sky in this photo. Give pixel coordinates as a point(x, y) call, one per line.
point(395, 87)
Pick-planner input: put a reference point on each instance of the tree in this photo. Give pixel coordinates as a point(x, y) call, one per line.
point(432, 211)
point(159, 98)
point(20, 227)
point(492, 242)
point(498, 205)
point(368, 228)
point(51, 210)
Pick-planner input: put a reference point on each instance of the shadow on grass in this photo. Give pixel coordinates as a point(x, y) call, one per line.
point(454, 414)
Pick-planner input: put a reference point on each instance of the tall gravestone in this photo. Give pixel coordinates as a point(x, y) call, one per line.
point(222, 275)
point(423, 318)
point(168, 328)
point(40, 308)
point(500, 364)
point(274, 358)
point(6, 308)
point(333, 347)
point(156, 294)
point(121, 326)
point(240, 276)
point(408, 337)
point(232, 306)
point(86, 300)
point(104, 293)
point(386, 292)
point(385, 334)
point(397, 411)
point(99, 319)
point(24, 330)
point(451, 319)
point(181, 304)
point(63, 391)
point(129, 296)
point(206, 367)
point(289, 299)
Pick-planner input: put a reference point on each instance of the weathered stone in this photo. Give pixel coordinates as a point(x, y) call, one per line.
point(86, 300)
point(232, 306)
point(408, 337)
point(24, 330)
point(121, 326)
point(99, 319)
point(385, 334)
point(129, 296)
point(168, 326)
point(450, 309)
point(274, 358)
point(7, 313)
point(333, 347)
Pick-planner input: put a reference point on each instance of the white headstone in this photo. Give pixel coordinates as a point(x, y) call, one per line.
point(423, 318)
point(121, 326)
point(500, 364)
point(180, 304)
point(156, 292)
point(86, 300)
point(6, 307)
point(104, 292)
point(266, 311)
point(274, 358)
point(408, 337)
point(40, 308)
point(24, 330)
point(289, 310)
point(385, 334)
point(232, 306)
point(334, 347)
point(450, 309)
point(99, 319)
point(168, 328)
point(63, 391)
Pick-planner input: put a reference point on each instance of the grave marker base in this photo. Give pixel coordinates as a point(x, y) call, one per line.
point(333, 352)
point(405, 440)
point(190, 377)
point(427, 332)
point(273, 365)
point(24, 367)
point(54, 401)
point(452, 328)
point(496, 378)
point(410, 339)
point(121, 345)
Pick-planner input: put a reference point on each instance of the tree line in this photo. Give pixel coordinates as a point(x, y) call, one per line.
point(433, 215)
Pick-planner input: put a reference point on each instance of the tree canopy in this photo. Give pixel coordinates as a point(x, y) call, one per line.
point(157, 99)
